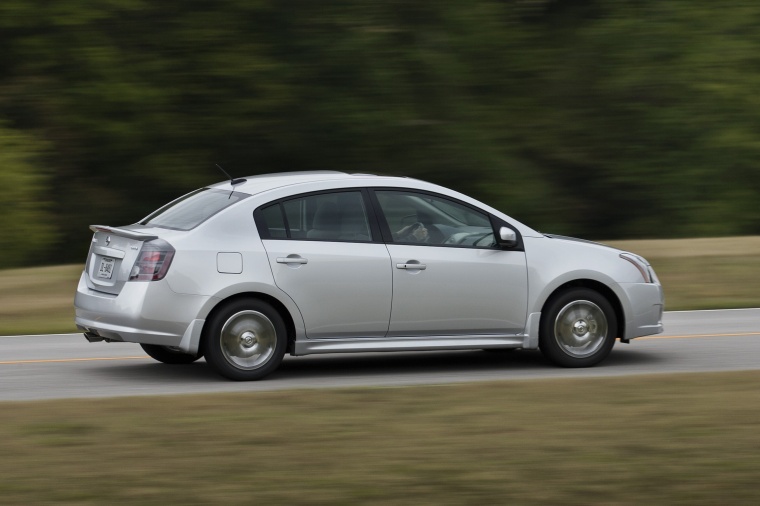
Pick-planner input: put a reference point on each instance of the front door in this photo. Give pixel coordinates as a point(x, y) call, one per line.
point(449, 277)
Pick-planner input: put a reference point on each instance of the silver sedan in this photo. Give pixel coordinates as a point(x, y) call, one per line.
point(244, 271)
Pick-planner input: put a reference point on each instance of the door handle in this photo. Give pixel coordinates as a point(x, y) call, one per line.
point(292, 260)
point(412, 266)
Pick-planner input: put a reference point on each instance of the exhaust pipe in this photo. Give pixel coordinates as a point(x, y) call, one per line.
point(93, 338)
point(91, 335)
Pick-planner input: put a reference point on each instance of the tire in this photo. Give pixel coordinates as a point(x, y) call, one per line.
point(245, 340)
point(169, 354)
point(578, 328)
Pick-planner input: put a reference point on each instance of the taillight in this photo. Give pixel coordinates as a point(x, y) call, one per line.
point(153, 261)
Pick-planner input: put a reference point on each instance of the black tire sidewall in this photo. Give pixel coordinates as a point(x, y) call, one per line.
point(211, 344)
point(547, 342)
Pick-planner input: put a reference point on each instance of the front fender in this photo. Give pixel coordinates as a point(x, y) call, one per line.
point(553, 263)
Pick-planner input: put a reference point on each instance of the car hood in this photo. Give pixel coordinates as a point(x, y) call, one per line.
point(597, 244)
point(575, 239)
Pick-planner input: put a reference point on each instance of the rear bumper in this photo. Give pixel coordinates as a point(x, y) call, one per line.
point(644, 315)
point(143, 312)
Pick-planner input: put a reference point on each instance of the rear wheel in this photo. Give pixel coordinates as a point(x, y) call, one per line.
point(169, 354)
point(245, 340)
point(578, 328)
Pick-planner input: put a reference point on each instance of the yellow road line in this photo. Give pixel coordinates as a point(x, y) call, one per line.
point(700, 335)
point(53, 360)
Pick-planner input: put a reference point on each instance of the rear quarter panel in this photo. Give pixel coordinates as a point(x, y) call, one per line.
point(195, 271)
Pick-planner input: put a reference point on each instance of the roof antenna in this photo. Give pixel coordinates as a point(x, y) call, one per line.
point(233, 182)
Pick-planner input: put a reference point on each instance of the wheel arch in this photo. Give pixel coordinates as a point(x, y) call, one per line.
point(281, 309)
point(597, 286)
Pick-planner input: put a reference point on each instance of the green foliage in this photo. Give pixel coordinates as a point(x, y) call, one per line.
point(585, 117)
point(25, 228)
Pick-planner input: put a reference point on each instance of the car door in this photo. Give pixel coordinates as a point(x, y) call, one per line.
point(325, 255)
point(449, 275)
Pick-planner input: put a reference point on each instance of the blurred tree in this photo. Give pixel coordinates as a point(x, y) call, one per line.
point(584, 117)
point(24, 220)
point(634, 113)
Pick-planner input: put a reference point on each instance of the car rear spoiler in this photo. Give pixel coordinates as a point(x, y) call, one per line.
point(123, 232)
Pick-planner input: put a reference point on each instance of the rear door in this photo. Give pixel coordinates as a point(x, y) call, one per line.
point(326, 255)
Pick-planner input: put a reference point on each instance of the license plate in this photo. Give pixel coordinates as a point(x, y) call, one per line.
point(105, 270)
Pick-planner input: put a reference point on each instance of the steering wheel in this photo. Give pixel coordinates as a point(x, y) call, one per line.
point(435, 236)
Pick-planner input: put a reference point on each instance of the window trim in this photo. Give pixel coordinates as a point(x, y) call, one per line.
point(379, 228)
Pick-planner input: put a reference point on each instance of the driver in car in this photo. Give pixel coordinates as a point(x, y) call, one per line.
point(416, 232)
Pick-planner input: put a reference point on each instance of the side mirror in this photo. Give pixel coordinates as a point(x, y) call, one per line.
point(507, 237)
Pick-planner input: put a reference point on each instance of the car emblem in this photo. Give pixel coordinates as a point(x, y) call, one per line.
point(108, 240)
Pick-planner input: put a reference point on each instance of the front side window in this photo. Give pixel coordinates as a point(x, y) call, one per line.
point(338, 216)
point(189, 211)
point(420, 218)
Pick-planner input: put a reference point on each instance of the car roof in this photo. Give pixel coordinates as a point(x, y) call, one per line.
point(264, 182)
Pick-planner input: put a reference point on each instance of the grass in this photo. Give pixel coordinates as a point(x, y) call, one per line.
point(38, 300)
point(688, 439)
point(696, 273)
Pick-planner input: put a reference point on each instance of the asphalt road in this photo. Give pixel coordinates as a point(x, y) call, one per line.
point(66, 366)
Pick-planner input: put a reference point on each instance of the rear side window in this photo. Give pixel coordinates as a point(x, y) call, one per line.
point(189, 211)
point(339, 216)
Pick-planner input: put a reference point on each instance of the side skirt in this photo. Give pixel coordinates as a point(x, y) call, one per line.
point(310, 347)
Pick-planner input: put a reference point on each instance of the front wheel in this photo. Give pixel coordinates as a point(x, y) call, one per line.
point(245, 340)
point(169, 354)
point(578, 328)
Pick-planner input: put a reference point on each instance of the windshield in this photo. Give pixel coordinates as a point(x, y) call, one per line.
point(189, 211)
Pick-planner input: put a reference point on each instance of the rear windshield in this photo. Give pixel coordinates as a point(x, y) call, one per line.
point(189, 211)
